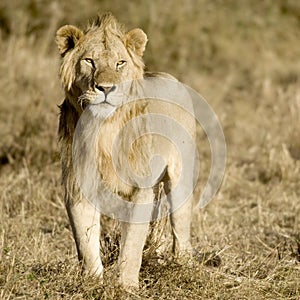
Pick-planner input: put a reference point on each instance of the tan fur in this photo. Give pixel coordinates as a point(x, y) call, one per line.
point(69, 37)
point(92, 59)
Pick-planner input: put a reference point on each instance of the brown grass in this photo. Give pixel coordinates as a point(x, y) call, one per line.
point(243, 57)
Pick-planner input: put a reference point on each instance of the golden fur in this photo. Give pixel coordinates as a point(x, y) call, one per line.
point(78, 82)
point(94, 63)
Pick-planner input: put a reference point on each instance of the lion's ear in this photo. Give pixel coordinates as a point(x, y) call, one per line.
point(136, 39)
point(67, 37)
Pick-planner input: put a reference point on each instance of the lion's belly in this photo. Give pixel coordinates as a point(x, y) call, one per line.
point(171, 143)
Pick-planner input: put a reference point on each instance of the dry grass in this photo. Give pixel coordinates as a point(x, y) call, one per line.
point(243, 57)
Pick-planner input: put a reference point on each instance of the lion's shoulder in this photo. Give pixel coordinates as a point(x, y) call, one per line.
point(159, 75)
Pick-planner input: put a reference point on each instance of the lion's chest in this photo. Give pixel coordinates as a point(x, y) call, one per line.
point(122, 156)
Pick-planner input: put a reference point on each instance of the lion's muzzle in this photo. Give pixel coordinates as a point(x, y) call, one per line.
point(106, 89)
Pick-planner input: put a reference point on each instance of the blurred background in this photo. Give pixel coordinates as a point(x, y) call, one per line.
point(243, 57)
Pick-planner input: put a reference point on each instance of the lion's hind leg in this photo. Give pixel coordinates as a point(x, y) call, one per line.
point(181, 229)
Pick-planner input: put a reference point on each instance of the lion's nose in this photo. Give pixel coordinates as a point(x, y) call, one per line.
point(105, 89)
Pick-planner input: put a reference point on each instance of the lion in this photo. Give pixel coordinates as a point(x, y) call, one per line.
point(94, 62)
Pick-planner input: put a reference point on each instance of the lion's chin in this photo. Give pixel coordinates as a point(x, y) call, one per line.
point(101, 110)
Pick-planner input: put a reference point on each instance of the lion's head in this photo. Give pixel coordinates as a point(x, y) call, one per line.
point(99, 58)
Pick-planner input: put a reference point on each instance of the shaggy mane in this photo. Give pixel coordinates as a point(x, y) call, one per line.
point(108, 23)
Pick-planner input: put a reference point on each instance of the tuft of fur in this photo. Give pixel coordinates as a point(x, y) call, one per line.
point(108, 23)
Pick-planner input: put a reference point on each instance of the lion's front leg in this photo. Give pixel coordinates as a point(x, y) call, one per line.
point(133, 238)
point(85, 222)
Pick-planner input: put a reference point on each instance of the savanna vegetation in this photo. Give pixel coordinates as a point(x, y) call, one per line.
point(243, 57)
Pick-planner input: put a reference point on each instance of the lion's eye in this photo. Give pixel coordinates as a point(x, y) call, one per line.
point(90, 62)
point(120, 64)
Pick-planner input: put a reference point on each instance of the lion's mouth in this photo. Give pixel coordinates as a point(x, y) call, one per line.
point(109, 100)
point(103, 102)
